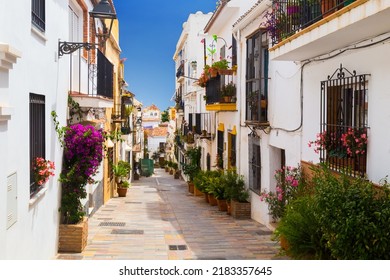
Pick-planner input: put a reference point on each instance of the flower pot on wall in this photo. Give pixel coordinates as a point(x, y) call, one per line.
point(327, 7)
point(73, 238)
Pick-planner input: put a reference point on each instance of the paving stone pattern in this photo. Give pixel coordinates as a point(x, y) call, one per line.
point(160, 220)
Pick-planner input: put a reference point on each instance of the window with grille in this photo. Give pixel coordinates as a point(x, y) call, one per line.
point(38, 14)
point(37, 135)
point(257, 78)
point(344, 122)
point(254, 164)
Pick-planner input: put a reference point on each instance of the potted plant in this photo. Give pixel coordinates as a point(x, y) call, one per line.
point(83, 153)
point(121, 171)
point(222, 67)
point(219, 191)
point(228, 91)
point(42, 170)
point(199, 183)
point(237, 195)
point(174, 169)
point(122, 188)
point(328, 7)
point(191, 168)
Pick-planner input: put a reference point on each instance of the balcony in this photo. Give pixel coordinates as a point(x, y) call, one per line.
point(303, 29)
point(200, 124)
point(93, 83)
point(214, 100)
point(180, 72)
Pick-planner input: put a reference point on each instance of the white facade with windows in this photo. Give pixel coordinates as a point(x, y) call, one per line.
point(29, 67)
point(189, 58)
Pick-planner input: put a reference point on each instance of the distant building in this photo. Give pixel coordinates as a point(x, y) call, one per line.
point(151, 116)
point(157, 137)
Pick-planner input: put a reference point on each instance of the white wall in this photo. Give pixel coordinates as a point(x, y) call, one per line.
point(154, 143)
point(35, 233)
point(365, 61)
point(284, 116)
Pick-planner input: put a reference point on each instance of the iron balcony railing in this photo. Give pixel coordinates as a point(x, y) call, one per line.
point(200, 123)
point(289, 16)
point(179, 99)
point(180, 70)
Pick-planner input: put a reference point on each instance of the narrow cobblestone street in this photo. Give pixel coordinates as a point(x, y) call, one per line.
point(160, 220)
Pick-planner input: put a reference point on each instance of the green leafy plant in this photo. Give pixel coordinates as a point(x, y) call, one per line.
point(193, 166)
point(228, 89)
point(235, 186)
point(221, 64)
point(342, 218)
point(301, 229)
point(125, 184)
point(121, 170)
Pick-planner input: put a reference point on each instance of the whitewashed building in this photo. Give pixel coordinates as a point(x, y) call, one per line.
point(343, 75)
point(191, 115)
point(32, 84)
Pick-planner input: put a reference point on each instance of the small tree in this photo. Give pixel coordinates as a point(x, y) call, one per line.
point(165, 116)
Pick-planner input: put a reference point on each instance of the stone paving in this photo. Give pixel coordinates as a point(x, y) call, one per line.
point(160, 220)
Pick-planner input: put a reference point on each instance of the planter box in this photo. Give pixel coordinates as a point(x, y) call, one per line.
point(228, 207)
point(212, 200)
point(73, 238)
point(206, 197)
point(191, 187)
point(222, 206)
point(197, 192)
point(240, 210)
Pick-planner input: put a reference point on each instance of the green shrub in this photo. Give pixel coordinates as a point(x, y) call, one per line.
point(354, 216)
point(301, 229)
point(344, 218)
point(235, 186)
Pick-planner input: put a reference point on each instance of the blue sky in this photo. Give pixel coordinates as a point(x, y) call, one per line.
point(149, 31)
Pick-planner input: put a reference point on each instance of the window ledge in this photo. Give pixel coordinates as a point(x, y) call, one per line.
point(257, 123)
point(38, 196)
point(5, 113)
point(38, 33)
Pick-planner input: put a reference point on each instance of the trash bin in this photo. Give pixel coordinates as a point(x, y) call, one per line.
point(147, 167)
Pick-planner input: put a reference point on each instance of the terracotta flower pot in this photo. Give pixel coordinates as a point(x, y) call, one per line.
point(327, 7)
point(122, 192)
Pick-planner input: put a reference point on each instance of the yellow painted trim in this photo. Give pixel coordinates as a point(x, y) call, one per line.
point(234, 131)
point(319, 23)
point(221, 107)
point(221, 127)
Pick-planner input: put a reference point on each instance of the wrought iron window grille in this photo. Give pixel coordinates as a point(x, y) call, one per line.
point(344, 121)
